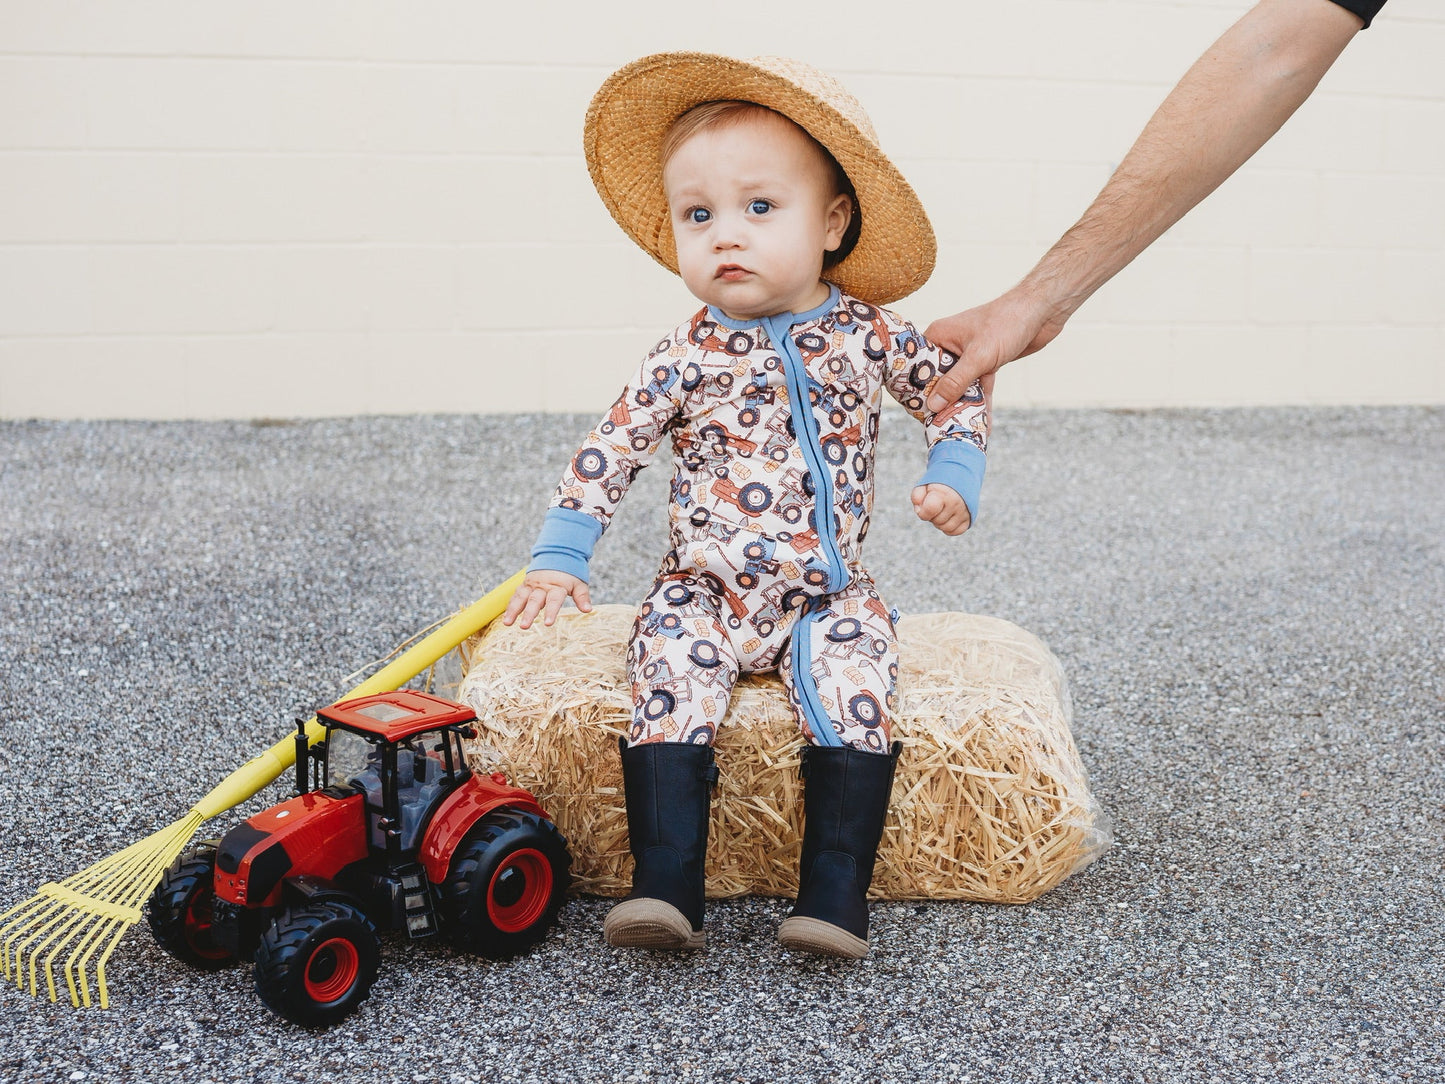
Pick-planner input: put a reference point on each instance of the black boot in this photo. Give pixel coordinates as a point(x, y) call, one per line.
point(845, 798)
point(667, 786)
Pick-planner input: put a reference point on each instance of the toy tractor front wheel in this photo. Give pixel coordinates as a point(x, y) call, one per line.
point(316, 963)
point(179, 911)
point(506, 884)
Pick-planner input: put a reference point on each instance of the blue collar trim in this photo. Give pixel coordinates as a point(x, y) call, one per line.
point(784, 319)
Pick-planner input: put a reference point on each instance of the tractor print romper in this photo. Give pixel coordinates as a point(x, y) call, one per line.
point(774, 424)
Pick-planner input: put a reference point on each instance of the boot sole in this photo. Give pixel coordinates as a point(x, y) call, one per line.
point(801, 934)
point(654, 924)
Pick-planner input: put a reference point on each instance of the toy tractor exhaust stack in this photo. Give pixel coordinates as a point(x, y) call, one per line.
point(303, 757)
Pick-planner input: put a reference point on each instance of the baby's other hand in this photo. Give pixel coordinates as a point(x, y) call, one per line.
point(941, 506)
point(543, 592)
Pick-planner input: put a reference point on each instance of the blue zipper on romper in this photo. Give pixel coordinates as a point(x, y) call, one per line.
point(803, 682)
point(805, 430)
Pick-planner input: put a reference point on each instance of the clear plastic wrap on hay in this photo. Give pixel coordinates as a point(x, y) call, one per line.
point(990, 801)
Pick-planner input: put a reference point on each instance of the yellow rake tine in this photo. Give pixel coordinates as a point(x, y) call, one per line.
point(132, 894)
point(91, 936)
point(117, 866)
point(22, 950)
point(81, 956)
point(100, 967)
point(65, 931)
point(50, 916)
point(17, 911)
point(71, 979)
point(71, 934)
point(70, 984)
point(21, 922)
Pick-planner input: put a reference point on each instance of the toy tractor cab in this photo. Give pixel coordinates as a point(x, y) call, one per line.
point(390, 830)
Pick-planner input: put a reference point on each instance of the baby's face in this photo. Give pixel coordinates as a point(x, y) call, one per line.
point(753, 210)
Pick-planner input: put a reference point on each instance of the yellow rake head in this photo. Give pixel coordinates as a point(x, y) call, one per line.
point(82, 918)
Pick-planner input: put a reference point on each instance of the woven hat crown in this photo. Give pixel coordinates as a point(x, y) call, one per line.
point(824, 88)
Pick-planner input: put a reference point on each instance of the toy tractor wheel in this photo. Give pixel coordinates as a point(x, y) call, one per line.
point(316, 963)
point(179, 910)
point(506, 884)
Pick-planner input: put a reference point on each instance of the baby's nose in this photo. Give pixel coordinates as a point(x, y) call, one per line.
point(727, 234)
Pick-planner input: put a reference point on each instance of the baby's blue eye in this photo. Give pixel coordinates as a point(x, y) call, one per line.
point(699, 215)
point(760, 206)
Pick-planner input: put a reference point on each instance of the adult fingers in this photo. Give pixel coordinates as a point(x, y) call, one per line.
point(965, 336)
point(951, 386)
point(988, 337)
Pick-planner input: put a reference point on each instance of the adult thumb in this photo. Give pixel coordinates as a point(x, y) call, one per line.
point(951, 385)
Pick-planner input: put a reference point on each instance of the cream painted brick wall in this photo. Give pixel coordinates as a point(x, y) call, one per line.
point(310, 207)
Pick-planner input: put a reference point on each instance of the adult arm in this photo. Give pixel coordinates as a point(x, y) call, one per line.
point(1227, 106)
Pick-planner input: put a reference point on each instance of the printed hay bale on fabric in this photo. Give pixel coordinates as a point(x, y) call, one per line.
point(990, 801)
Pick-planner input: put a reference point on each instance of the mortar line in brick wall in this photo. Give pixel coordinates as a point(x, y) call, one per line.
point(288, 153)
point(953, 75)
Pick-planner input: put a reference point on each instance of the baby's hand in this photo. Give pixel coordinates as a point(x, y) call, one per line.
point(942, 507)
point(544, 591)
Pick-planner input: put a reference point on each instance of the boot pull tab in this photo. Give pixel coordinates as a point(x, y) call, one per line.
point(710, 775)
point(803, 761)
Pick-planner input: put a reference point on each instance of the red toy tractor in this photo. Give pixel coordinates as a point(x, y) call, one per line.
point(392, 831)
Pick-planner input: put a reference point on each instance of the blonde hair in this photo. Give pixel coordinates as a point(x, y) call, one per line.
point(725, 113)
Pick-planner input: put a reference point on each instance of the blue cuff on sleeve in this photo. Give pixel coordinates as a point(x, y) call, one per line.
point(565, 542)
point(958, 465)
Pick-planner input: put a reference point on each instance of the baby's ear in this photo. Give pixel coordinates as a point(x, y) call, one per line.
point(840, 213)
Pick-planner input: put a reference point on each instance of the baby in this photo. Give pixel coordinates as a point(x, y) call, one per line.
point(761, 183)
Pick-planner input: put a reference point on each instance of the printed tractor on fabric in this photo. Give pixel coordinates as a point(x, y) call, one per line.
point(390, 830)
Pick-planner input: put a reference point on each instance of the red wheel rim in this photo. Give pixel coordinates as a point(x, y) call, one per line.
point(197, 923)
point(519, 890)
point(331, 970)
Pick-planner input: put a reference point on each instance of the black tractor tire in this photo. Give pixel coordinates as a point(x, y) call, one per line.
point(506, 884)
point(179, 910)
point(316, 963)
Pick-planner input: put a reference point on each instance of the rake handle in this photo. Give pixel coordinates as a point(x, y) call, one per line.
point(261, 770)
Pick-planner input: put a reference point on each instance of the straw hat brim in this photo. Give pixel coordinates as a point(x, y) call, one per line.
point(633, 109)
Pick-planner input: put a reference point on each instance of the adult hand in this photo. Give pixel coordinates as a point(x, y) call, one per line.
point(987, 338)
point(543, 592)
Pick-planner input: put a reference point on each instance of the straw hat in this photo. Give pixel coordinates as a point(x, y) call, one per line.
point(632, 111)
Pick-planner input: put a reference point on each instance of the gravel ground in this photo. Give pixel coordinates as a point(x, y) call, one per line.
point(1250, 606)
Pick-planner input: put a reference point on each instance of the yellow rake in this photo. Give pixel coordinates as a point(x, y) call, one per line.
point(90, 911)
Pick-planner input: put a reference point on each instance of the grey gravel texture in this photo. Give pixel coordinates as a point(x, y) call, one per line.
point(1249, 604)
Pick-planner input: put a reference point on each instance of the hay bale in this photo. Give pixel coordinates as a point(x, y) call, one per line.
point(990, 801)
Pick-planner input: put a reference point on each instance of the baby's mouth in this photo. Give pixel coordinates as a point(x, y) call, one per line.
point(731, 272)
